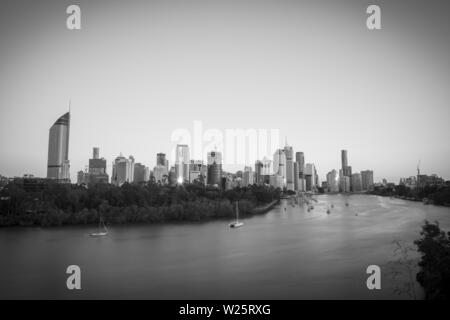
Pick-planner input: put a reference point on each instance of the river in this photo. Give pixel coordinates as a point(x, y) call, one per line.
point(287, 253)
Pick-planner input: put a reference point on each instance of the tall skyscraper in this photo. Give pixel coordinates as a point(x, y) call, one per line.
point(344, 159)
point(296, 177)
point(279, 165)
point(214, 175)
point(182, 160)
point(310, 177)
point(58, 165)
point(346, 169)
point(289, 153)
point(300, 160)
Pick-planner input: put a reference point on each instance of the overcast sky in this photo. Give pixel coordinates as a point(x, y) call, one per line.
point(138, 70)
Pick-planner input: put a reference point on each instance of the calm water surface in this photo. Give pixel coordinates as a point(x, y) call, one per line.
point(284, 254)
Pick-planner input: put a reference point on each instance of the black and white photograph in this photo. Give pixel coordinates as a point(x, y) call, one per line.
point(212, 152)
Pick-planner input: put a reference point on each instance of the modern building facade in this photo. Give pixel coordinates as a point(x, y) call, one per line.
point(279, 164)
point(182, 161)
point(123, 170)
point(97, 169)
point(332, 181)
point(141, 173)
point(356, 182)
point(214, 175)
point(247, 178)
point(310, 177)
point(259, 177)
point(289, 154)
point(367, 180)
point(58, 165)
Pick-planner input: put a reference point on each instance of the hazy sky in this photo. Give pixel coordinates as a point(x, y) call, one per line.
point(138, 70)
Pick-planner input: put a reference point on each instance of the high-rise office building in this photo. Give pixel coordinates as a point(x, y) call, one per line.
point(296, 176)
point(346, 169)
point(344, 159)
point(247, 178)
point(310, 177)
point(344, 182)
point(58, 165)
point(367, 180)
point(356, 182)
point(97, 168)
point(259, 180)
point(123, 170)
point(214, 175)
point(332, 181)
point(141, 173)
point(161, 160)
point(279, 164)
point(289, 153)
point(300, 158)
point(182, 161)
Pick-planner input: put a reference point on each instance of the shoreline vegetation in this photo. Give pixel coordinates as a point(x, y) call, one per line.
point(64, 204)
point(433, 194)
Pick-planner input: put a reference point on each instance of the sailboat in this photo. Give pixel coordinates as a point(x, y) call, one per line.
point(101, 225)
point(238, 223)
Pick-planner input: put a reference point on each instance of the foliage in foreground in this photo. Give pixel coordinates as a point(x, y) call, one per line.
point(434, 275)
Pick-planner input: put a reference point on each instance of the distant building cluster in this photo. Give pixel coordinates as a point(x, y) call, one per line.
point(346, 181)
point(286, 170)
point(422, 180)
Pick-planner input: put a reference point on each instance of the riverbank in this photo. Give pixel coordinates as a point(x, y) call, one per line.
point(190, 211)
point(61, 205)
point(266, 208)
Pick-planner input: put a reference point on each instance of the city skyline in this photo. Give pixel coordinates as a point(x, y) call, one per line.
point(381, 96)
point(58, 157)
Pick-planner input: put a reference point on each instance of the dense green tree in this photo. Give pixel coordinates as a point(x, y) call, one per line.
point(434, 275)
point(62, 204)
